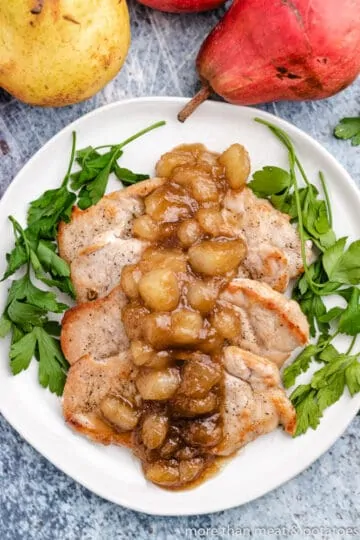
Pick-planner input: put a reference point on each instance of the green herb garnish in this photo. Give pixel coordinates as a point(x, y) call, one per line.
point(26, 316)
point(27, 309)
point(335, 272)
point(93, 176)
point(349, 128)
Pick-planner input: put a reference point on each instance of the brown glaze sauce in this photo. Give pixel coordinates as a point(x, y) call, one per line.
point(175, 326)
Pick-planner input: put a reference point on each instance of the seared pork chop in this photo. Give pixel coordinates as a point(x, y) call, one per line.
point(113, 213)
point(89, 382)
point(254, 402)
point(274, 252)
point(94, 328)
point(98, 242)
point(271, 324)
point(97, 270)
point(179, 414)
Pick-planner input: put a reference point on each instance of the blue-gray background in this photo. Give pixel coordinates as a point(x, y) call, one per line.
point(38, 501)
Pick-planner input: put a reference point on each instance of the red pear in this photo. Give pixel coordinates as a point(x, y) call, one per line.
point(182, 6)
point(273, 50)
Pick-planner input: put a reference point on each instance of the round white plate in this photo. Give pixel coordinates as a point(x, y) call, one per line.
point(35, 413)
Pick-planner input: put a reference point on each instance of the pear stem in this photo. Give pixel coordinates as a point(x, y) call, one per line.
point(194, 103)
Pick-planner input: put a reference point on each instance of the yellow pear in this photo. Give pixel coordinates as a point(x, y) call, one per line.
point(59, 52)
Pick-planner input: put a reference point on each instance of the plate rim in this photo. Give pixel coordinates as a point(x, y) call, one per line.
point(355, 402)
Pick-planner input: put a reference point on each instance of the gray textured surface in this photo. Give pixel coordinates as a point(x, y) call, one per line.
point(38, 501)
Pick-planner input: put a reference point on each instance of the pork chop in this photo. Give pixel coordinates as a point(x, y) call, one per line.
point(97, 269)
point(274, 250)
point(271, 324)
point(98, 242)
point(94, 328)
point(114, 212)
point(255, 402)
point(88, 382)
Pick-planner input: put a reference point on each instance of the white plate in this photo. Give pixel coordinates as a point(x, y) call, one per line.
point(35, 413)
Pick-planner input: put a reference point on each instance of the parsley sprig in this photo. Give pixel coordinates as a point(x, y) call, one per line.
point(26, 316)
point(349, 128)
point(336, 272)
point(95, 168)
point(27, 309)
